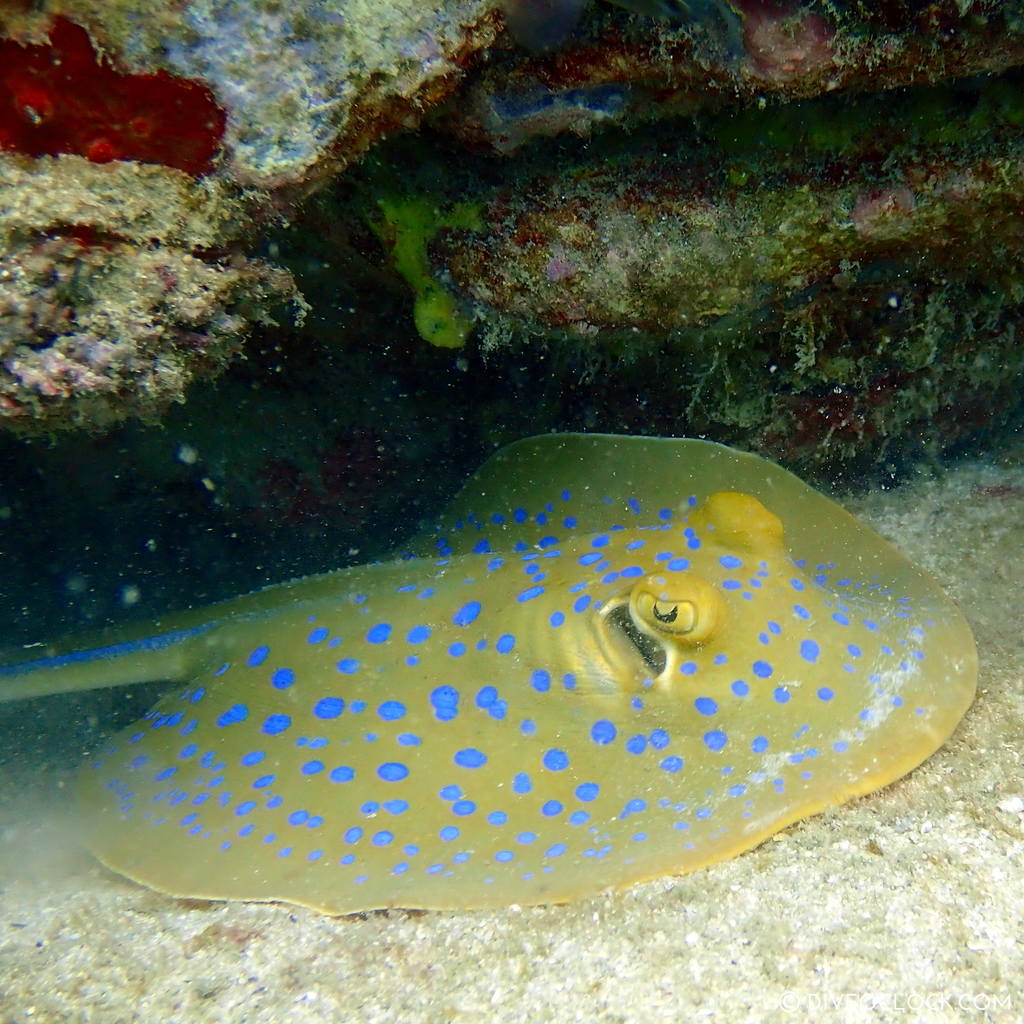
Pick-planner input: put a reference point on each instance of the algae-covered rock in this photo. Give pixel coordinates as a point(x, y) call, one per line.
point(748, 212)
point(821, 279)
point(653, 245)
point(136, 201)
point(306, 86)
point(614, 71)
point(805, 268)
point(119, 285)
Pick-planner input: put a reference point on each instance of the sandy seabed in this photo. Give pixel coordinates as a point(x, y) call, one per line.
point(907, 905)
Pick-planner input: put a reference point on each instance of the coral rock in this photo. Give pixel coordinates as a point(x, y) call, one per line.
point(108, 306)
point(655, 245)
point(627, 72)
point(306, 86)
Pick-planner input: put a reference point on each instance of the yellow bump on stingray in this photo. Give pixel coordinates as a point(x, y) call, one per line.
point(740, 521)
point(614, 658)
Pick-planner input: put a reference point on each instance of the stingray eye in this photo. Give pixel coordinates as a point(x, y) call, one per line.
point(658, 618)
point(685, 609)
point(664, 616)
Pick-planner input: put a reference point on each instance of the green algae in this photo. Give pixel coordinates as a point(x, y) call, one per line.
point(406, 227)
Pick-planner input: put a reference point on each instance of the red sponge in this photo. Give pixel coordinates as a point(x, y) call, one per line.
point(63, 98)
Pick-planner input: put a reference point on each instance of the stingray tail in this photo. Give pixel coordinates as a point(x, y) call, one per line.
point(170, 648)
point(162, 655)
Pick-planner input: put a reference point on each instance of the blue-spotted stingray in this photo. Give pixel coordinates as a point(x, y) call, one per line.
point(617, 658)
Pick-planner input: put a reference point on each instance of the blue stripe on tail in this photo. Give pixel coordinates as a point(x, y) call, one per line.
point(147, 643)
